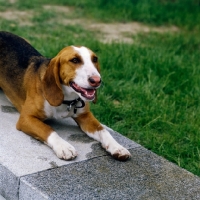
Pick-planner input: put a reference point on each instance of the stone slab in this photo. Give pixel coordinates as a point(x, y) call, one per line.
point(30, 170)
point(2, 198)
point(22, 155)
point(146, 176)
point(9, 183)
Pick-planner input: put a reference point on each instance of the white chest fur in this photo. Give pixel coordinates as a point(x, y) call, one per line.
point(57, 112)
point(63, 110)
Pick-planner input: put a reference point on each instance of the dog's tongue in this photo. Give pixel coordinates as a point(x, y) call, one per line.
point(87, 93)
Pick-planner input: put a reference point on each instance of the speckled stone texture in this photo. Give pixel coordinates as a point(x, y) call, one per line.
point(2, 198)
point(8, 183)
point(29, 170)
point(21, 155)
point(145, 176)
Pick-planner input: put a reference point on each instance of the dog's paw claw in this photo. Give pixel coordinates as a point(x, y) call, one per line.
point(121, 154)
point(120, 157)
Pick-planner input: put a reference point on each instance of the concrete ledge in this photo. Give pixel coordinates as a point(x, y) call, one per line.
point(145, 176)
point(30, 170)
point(1, 198)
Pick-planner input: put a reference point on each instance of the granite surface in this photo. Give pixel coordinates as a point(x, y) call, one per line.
point(18, 150)
point(2, 198)
point(30, 170)
point(144, 176)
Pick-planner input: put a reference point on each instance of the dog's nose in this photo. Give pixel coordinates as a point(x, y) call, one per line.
point(94, 81)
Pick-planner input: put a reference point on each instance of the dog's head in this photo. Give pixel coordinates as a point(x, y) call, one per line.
point(74, 67)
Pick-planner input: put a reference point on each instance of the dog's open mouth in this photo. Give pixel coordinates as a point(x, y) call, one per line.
point(87, 93)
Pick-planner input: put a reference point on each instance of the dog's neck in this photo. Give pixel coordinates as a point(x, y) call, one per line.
point(69, 93)
point(71, 99)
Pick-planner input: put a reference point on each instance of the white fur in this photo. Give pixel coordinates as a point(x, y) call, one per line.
point(62, 111)
point(57, 112)
point(109, 143)
point(63, 149)
point(86, 70)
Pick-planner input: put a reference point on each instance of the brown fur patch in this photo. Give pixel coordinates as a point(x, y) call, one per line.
point(88, 122)
point(51, 83)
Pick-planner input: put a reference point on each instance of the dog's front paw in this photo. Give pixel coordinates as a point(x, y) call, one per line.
point(63, 149)
point(119, 152)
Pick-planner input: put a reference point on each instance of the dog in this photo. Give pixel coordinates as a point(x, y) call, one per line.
point(60, 87)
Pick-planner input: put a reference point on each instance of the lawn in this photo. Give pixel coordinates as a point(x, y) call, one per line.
point(151, 86)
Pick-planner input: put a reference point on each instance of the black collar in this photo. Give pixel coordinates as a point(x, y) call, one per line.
point(74, 103)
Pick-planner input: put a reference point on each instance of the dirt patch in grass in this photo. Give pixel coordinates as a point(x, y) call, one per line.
point(108, 32)
point(59, 9)
point(12, 1)
point(123, 31)
point(22, 17)
point(105, 32)
point(118, 32)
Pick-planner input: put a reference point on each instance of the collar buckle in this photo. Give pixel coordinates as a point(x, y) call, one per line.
point(74, 103)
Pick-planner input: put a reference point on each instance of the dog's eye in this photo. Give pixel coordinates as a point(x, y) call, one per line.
point(75, 60)
point(95, 59)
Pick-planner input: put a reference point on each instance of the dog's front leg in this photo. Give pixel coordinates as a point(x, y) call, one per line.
point(39, 130)
point(92, 127)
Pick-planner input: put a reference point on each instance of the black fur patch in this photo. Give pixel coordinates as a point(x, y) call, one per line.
point(17, 49)
point(39, 61)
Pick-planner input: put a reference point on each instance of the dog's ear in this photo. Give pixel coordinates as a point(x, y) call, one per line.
point(51, 83)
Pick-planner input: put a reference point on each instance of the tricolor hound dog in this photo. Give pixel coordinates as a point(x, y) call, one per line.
point(60, 87)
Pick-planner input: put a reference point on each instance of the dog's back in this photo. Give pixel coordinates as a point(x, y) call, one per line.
point(15, 57)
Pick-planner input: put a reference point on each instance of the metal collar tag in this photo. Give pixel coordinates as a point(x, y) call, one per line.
point(74, 103)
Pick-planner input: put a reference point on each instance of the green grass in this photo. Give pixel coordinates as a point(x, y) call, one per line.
point(151, 88)
point(156, 87)
point(179, 12)
point(185, 13)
